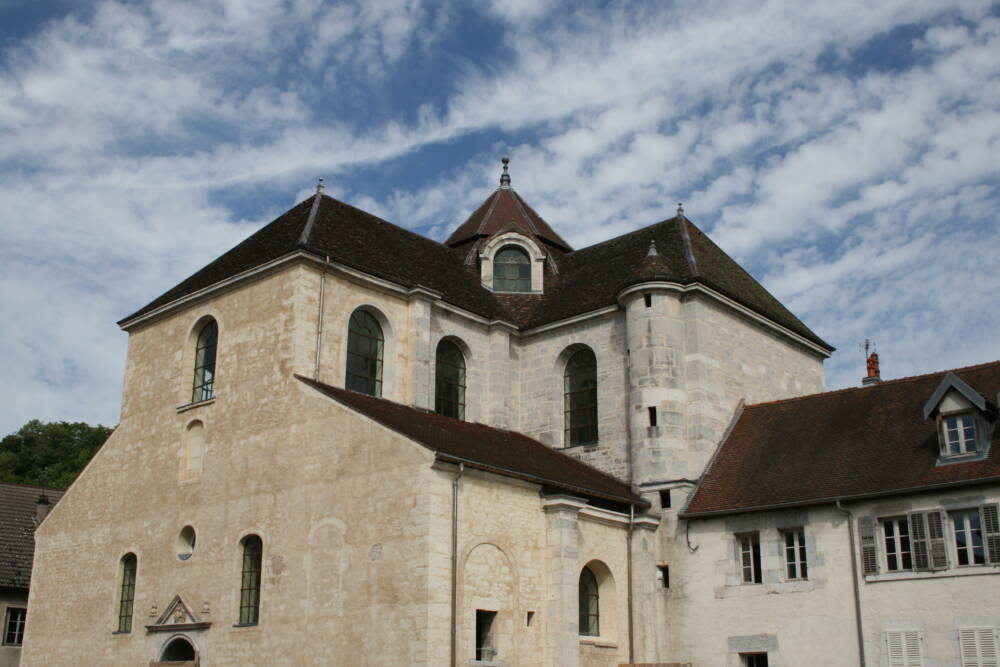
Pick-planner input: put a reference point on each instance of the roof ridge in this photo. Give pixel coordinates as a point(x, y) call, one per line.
point(486, 216)
point(688, 249)
point(524, 214)
point(33, 486)
point(307, 228)
point(620, 236)
point(894, 381)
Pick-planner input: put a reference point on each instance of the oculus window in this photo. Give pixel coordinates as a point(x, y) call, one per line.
point(511, 270)
point(449, 381)
point(365, 344)
point(580, 399)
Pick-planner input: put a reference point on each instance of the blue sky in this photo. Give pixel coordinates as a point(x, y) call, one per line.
point(846, 154)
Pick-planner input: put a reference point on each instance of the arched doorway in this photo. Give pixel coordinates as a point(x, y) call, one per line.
point(177, 651)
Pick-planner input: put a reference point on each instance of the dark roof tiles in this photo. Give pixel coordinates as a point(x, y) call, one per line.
point(18, 508)
point(844, 444)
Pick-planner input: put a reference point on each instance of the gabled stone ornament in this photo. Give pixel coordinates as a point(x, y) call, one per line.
point(680, 211)
point(652, 250)
point(505, 177)
point(177, 617)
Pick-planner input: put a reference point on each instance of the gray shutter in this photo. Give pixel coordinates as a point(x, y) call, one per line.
point(918, 541)
point(869, 559)
point(935, 535)
point(991, 532)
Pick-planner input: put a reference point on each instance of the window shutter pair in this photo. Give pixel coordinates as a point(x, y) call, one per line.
point(978, 647)
point(927, 541)
point(991, 532)
point(869, 556)
point(903, 648)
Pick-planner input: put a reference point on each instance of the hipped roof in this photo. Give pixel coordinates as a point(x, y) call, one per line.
point(853, 443)
point(479, 446)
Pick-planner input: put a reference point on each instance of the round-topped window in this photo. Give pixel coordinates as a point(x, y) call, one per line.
point(185, 543)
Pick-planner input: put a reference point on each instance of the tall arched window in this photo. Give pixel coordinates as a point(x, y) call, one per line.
point(127, 597)
point(250, 580)
point(580, 398)
point(511, 270)
point(204, 363)
point(449, 380)
point(364, 354)
point(590, 608)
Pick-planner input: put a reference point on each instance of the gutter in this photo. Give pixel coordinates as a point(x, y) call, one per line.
point(857, 589)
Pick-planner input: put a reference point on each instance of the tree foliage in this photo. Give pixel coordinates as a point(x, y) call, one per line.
point(49, 453)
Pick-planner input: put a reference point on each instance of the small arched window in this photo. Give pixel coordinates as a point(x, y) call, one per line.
point(127, 597)
point(580, 398)
point(204, 362)
point(590, 608)
point(449, 380)
point(250, 581)
point(511, 270)
point(364, 354)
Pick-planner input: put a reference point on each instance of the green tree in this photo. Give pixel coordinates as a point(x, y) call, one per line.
point(49, 453)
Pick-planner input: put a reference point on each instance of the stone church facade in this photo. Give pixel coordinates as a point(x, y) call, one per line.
point(344, 443)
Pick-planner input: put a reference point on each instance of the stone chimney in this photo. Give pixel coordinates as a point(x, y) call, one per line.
point(42, 508)
point(873, 376)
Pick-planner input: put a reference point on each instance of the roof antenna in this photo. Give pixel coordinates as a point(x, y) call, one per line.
point(871, 361)
point(680, 211)
point(505, 177)
point(320, 188)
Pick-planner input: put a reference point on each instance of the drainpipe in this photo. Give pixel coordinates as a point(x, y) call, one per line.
point(857, 589)
point(454, 564)
point(628, 567)
point(319, 318)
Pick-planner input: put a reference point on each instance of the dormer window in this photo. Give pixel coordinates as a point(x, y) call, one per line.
point(958, 435)
point(511, 270)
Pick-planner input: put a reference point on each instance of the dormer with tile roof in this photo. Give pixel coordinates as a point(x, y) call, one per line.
point(965, 420)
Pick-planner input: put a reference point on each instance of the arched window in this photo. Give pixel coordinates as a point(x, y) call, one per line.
point(449, 380)
point(250, 581)
point(590, 608)
point(364, 354)
point(178, 650)
point(204, 363)
point(129, 563)
point(580, 398)
point(511, 270)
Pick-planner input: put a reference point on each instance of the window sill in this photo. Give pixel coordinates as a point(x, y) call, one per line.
point(121, 632)
point(585, 446)
point(198, 404)
point(955, 571)
point(598, 642)
point(245, 625)
point(488, 663)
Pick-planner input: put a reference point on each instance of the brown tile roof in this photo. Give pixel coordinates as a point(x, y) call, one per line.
point(18, 504)
point(585, 280)
point(484, 447)
point(851, 443)
point(502, 210)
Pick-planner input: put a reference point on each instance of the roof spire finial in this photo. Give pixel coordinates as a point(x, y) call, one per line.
point(320, 188)
point(505, 177)
point(652, 249)
point(680, 210)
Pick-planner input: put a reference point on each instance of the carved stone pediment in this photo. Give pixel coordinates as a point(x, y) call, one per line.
point(177, 617)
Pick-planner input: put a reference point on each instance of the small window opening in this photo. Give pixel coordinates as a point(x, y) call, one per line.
point(649, 300)
point(652, 415)
point(753, 659)
point(665, 575)
point(185, 542)
point(178, 650)
point(13, 632)
point(484, 635)
point(750, 558)
point(665, 499)
point(530, 618)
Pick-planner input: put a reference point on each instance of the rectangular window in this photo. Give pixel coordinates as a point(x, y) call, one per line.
point(903, 648)
point(649, 300)
point(664, 499)
point(968, 527)
point(898, 555)
point(959, 434)
point(750, 557)
point(978, 647)
point(652, 415)
point(753, 659)
point(664, 575)
point(484, 635)
point(796, 566)
point(13, 627)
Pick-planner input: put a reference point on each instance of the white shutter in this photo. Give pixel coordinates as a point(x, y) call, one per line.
point(903, 648)
point(978, 647)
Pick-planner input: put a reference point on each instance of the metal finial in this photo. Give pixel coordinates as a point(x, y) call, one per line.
point(680, 210)
point(505, 177)
point(652, 250)
point(320, 188)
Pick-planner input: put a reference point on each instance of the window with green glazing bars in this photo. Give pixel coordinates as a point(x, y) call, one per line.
point(511, 271)
point(127, 593)
point(365, 343)
point(250, 581)
point(449, 381)
point(580, 399)
point(204, 363)
point(590, 611)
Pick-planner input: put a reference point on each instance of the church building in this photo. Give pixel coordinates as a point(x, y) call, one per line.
point(343, 443)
